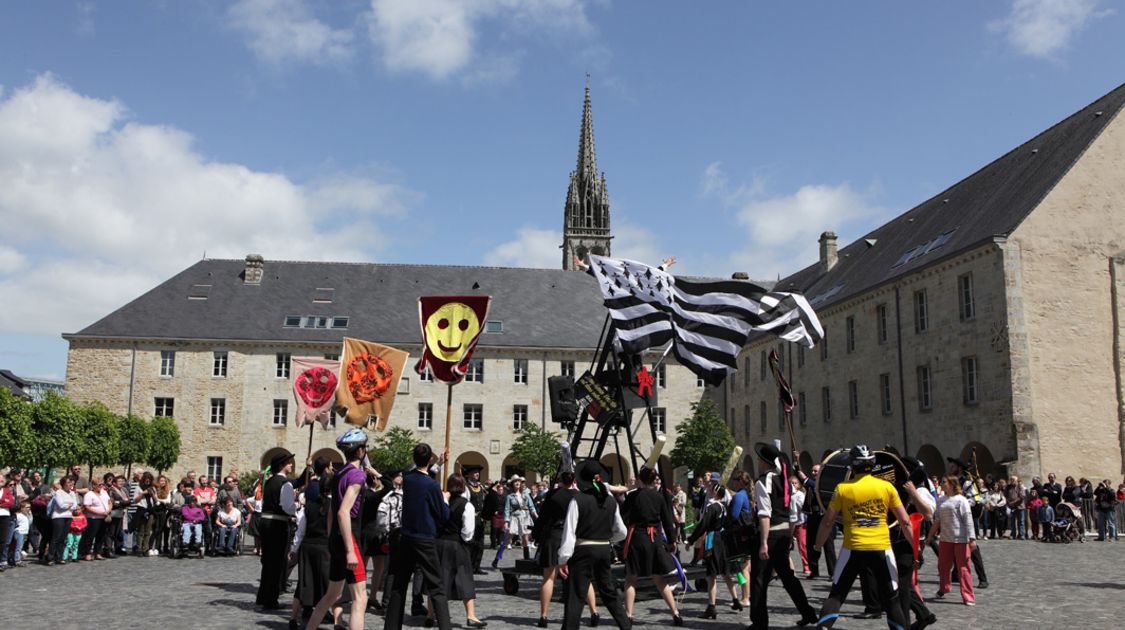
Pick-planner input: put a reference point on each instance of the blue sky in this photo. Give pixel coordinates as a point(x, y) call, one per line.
point(135, 137)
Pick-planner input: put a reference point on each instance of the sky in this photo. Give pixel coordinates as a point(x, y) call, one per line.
point(138, 138)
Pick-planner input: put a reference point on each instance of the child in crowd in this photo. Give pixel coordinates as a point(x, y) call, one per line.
point(22, 527)
point(1034, 503)
point(77, 526)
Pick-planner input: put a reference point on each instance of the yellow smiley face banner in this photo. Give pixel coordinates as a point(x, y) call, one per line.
point(451, 326)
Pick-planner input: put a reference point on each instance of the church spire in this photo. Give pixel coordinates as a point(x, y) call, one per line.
point(586, 214)
point(587, 154)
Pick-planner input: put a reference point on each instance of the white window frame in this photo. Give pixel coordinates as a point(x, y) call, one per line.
point(280, 412)
point(661, 376)
point(167, 363)
point(826, 404)
point(218, 415)
point(921, 311)
point(474, 371)
point(881, 323)
point(283, 365)
point(802, 410)
point(519, 416)
point(566, 368)
point(763, 417)
point(164, 410)
point(473, 417)
point(849, 334)
point(925, 388)
point(970, 380)
point(220, 364)
point(519, 371)
point(214, 466)
point(425, 416)
point(885, 393)
point(966, 302)
point(853, 399)
point(660, 419)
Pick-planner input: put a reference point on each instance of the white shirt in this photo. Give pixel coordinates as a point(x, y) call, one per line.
point(956, 518)
point(99, 501)
point(65, 502)
point(796, 503)
point(570, 526)
point(288, 499)
point(23, 523)
point(300, 535)
point(469, 523)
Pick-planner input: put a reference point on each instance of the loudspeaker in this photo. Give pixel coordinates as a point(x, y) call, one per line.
point(564, 408)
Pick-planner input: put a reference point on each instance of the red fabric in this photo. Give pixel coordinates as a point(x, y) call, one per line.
point(799, 535)
point(948, 554)
point(360, 571)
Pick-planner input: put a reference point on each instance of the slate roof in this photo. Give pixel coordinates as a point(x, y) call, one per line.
point(13, 383)
point(992, 202)
point(539, 308)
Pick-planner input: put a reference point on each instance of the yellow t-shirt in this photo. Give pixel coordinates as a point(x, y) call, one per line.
point(864, 503)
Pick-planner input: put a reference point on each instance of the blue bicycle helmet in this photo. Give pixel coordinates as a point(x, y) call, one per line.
point(352, 438)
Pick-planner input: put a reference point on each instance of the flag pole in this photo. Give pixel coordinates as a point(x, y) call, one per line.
point(448, 426)
point(308, 471)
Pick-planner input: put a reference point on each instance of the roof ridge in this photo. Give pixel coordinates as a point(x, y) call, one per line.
point(384, 264)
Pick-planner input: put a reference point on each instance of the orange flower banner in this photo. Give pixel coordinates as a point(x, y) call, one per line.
point(369, 375)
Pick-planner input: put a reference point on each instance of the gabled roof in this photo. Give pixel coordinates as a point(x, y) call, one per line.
point(991, 202)
point(13, 383)
point(537, 307)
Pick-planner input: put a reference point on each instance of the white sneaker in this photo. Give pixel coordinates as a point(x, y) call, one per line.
point(152, 552)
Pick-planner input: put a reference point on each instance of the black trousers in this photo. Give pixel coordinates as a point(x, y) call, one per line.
point(60, 527)
point(811, 528)
point(274, 535)
point(780, 543)
point(857, 562)
point(908, 600)
point(91, 538)
point(43, 526)
point(592, 563)
point(411, 553)
point(111, 541)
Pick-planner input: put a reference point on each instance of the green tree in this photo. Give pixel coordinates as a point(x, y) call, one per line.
point(17, 446)
point(136, 441)
point(537, 449)
point(56, 426)
point(393, 449)
point(703, 443)
point(101, 443)
point(165, 447)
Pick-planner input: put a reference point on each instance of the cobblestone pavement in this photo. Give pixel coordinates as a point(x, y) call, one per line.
point(1033, 585)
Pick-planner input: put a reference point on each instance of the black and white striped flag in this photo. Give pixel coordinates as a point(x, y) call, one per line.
point(708, 321)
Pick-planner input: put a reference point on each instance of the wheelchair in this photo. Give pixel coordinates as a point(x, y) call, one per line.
point(176, 548)
point(239, 537)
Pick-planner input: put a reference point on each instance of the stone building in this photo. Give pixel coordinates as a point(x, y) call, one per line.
point(988, 317)
point(212, 346)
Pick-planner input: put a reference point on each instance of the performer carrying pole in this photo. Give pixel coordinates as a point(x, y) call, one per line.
point(278, 505)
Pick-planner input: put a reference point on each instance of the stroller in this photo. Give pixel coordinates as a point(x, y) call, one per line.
point(1068, 525)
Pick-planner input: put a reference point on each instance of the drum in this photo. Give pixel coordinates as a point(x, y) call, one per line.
point(837, 468)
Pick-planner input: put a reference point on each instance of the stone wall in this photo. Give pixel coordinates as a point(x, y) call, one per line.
point(100, 370)
point(950, 425)
point(1064, 251)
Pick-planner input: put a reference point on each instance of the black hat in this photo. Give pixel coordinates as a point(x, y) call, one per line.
point(587, 471)
point(467, 469)
point(278, 462)
point(960, 462)
point(771, 454)
point(916, 469)
point(391, 473)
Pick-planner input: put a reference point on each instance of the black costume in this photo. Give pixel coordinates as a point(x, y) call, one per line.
point(273, 532)
point(646, 512)
point(453, 553)
point(592, 521)
point(548, 529)
point(812, 524)
point(312, 555)
point(477, 494)
point(772, 502)
point(710, 524)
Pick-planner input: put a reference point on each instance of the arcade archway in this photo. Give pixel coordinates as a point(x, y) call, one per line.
point(331, 454)
point(618, 468)
point(931, 458)
point(985, 463)
point(472, 458)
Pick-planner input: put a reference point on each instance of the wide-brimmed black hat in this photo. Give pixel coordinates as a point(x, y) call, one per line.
point(770, 454)
point(957, 460)
point(588, 471)
point(916, 469)
point(470, 468)
point(278, 462)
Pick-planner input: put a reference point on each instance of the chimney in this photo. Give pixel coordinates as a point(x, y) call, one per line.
point(740, 275)
point(254, 269)
point(827, 251)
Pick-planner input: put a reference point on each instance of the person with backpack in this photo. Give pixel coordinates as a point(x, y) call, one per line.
point(1105, 504)
point(388, 531)
point(713, 517)
point(742, 515)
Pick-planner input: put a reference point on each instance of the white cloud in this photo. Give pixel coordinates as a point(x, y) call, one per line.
point(11, 260)
point(636, 243)
point(282, 31)
point(532, 247)
point(1042, 28)
point(440, 38)
point(782, 230)
point(98, 209)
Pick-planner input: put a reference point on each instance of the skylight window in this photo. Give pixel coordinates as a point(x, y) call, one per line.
point(924, 248)
point(494, 326)
point(339, 322)
point(199, 292)
point(323, 296)
point(827, 294)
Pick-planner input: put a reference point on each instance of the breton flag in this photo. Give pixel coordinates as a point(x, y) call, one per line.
point(709, 322)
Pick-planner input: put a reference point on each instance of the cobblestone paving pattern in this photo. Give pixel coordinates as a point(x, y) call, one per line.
point(1033, 585)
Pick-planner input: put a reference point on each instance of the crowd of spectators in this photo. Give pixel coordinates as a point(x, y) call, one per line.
point(72, 518)
point(1010, 508)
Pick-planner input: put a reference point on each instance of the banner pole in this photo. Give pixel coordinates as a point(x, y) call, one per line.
point(308, 471)
point(789, 426)
point(448, 426)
